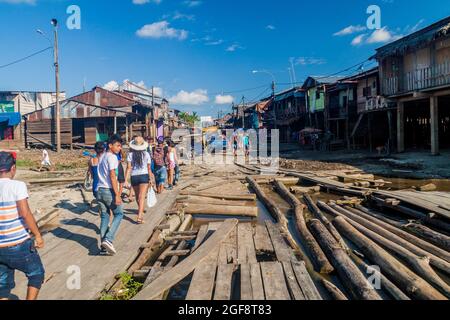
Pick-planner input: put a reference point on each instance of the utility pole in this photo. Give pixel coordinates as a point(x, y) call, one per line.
point(57, 104)
point(243, 112)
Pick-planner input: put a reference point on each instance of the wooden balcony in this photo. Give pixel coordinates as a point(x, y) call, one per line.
point(421, 79)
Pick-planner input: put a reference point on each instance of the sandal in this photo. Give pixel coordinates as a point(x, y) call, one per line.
point(140, 221)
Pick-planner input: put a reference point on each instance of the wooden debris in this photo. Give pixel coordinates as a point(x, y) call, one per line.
point(319, 259)
point(386, 284)
point(428, 247)
point(334, 291)
point(196, 209)
point(246, 197)
point(352, 278)
point(179, 272)
point(275, 212)
point(428, 234)
point(302, 190)
point(224, 282)
point(307, 285)
point(263, 245)
point(275, 287)
point(408, 281)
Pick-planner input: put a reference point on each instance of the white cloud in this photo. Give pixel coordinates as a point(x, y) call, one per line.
point(127, 85)
point(234, 47)
point(111, 85)
point(161, 29)
point(382, 35)
point(221, 99)
point(192, 3)
point(358, 40)
point(350, 30)
point(181, 16)
point(270, 27)
point(304, 61)
point(195, 97)
point(214, 43)
point(31, 2)
point(139, 2)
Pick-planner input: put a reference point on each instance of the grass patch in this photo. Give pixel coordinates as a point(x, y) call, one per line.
point(128, 289)
point(25, 163)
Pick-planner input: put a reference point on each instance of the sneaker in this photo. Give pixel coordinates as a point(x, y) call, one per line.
point(108, 246)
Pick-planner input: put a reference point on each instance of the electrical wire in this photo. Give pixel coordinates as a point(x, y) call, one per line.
point(25, 58)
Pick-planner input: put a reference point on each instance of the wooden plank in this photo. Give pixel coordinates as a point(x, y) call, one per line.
point(245, 244)
point(228, 253)
point(224, 282)
point(202, 233)
point(294, 288)
point(263, 245)
point(202, 284)
point(191, 263)
point(275, 287)
point(282, 250)
point(246, 283)
point(221, 210)
point(305, 282)
point(256, 282)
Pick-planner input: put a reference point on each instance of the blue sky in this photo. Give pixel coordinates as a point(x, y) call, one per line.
point(199, 54)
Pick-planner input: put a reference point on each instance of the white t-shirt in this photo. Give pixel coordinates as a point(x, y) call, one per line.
point(11, 224)
point(107, 162)
point(135, 171)
point(45, 158)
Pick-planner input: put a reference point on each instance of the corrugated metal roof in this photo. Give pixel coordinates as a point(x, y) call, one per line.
point(417, 39)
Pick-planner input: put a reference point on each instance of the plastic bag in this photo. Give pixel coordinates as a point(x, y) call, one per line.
point(151, 198)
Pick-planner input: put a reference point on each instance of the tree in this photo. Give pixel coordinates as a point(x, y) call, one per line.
point(190, 119)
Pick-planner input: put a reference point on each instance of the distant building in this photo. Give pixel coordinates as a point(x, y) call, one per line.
point(415, 73)
point(15, 104)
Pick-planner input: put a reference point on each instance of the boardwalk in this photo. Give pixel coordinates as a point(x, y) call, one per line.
point(75, 244)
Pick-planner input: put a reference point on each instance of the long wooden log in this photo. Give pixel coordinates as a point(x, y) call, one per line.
point(438, 252)
point(386, 284)
point(407, 280)
point(352, 278)
point(208, 209)
point(419, 264)
point(182, 270)
point(203, 200)
point(437, 262)
point(334, 291)
point(246, 197)
point(428, 234)
point(319, 215)
point(319, 258)
point(281, 219)
point(425, 219)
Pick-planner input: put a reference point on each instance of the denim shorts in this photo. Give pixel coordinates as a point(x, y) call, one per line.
point(140, 179)
point(160, 175)
point(25, 258)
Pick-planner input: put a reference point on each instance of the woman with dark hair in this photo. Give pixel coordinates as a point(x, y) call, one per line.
point(93, 166)
point(139, 167)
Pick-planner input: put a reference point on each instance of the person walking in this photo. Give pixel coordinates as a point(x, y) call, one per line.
point(17, 250)
point(246, 144)
point(108, 195)
point(173, 159)
point(139, 168)
point(161, 163)
point(45, 161)
point(93, 166)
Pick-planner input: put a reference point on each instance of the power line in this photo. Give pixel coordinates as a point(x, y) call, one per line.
point(25, 58)
point(241, 90)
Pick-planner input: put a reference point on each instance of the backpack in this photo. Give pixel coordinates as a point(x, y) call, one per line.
point(159, 157)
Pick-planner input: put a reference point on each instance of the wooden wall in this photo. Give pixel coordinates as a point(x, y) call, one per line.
point(45, 132)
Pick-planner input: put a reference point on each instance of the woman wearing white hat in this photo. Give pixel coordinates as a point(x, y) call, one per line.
point(139, 166)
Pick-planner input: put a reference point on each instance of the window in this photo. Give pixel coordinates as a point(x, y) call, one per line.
point(367, 92)
point(317, 94)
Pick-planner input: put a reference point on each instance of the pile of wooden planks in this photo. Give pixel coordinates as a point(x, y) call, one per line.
point(232, 260)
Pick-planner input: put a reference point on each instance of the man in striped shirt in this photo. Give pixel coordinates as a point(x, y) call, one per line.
point(17, 250)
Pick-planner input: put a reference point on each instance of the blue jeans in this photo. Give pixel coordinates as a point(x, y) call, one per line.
point(160, 175)
point(23, 257)
point(107, 201)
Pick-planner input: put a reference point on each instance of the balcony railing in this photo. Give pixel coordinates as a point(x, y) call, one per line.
point(420, 79)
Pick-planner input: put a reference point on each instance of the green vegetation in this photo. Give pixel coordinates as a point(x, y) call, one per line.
point(190, 119)
point(128, 289)
point(25, 163)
